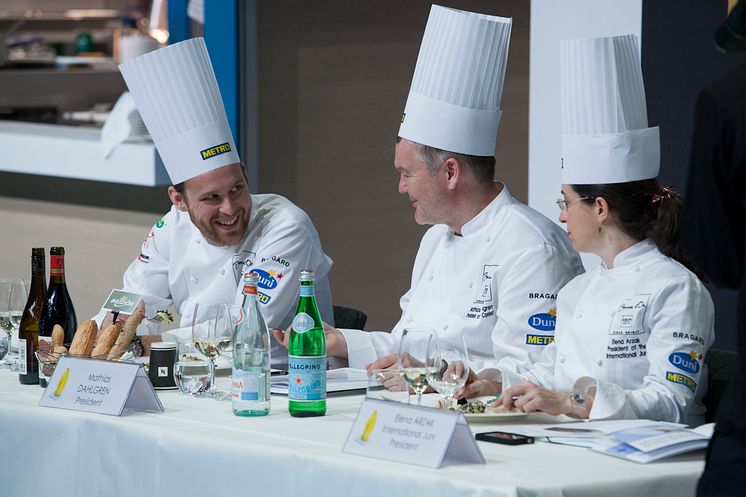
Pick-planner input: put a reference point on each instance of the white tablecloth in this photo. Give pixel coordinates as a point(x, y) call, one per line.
point(198, 447)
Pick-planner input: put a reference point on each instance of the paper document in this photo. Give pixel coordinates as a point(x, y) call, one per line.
point(337, 380)
point(650, 443)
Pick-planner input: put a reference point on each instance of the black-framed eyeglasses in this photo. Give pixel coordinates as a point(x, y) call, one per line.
point(562, 203)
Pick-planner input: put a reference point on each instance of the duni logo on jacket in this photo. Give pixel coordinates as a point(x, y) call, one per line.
point(216, 150)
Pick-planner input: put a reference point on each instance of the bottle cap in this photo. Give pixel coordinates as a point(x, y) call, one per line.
point(307, 275)
point(251, 278)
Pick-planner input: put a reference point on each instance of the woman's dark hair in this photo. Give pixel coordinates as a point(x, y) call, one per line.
point(642, 209)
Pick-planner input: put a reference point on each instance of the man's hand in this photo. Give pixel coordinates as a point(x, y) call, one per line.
point(109, 319)
point(529, 397)
point(385, 362)
point(336, 345)
point(476, 387)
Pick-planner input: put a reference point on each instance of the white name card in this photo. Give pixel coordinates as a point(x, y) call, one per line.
point(106, 387)
point(413, 435)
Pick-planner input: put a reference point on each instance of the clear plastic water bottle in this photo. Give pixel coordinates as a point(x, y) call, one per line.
point(251, 346)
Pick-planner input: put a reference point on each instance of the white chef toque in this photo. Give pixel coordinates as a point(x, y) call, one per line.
point(605, 133)
point(177, 95)
point(454, 100)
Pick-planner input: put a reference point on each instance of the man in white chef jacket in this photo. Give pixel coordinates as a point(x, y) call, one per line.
point(490, 267)
point(216, 230)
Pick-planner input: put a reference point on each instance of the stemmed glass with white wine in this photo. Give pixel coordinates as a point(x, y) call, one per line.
point(16, 303)
point(452, 358)
point(414, 365)
point(212, 329)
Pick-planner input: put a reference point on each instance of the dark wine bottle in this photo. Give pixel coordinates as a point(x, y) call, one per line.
point(58, 309)
point(28, 330)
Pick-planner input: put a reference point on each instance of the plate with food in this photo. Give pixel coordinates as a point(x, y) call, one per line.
point(480, 410)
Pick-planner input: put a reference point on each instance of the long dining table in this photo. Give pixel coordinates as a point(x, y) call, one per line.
point(198, 447)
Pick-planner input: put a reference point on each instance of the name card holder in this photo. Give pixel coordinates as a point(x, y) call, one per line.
point(105, 387)
point(412, 435)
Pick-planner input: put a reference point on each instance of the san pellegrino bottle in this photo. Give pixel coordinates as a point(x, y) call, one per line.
point(58, 309)
point(307, 355)
point(28, 330)
point(251, 351)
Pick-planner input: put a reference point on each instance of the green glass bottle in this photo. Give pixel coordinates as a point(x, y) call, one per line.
point(307, 355)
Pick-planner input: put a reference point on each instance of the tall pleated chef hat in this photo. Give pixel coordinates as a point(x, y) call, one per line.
point(454, 100)
point(177, 95)
point(605, 133)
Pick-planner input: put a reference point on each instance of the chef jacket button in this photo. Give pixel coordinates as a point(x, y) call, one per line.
point(471, 284)
point(194, 280)
point(222, 271)
point(562, 359)
point(445, 327)
point(580, 315)
point(489, 239)
point(599, 362)
point(188, 316)
point(430, 277)
point(409, 319)
point(197, 241)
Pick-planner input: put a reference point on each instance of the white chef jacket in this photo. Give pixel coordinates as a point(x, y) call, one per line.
point(496, 285)
point(639, 331)
point(177, 265)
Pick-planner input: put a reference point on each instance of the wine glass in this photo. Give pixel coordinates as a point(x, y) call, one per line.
point(16, 303)
point(387, 384)
point(413, 362)
point(452, 356)
point(212, 329)
point(5, 326)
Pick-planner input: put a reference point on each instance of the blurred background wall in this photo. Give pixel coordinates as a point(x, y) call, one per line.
point(332, 80)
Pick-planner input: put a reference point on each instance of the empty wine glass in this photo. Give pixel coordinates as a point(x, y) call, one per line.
point(16, 303)
point(387, 384)
point(452, 358)
point(413, 362)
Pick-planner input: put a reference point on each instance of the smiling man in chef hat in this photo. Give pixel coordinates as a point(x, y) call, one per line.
point(489, 268)
point(216, 230)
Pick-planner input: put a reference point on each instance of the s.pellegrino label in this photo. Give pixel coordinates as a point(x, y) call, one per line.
point(306, 378)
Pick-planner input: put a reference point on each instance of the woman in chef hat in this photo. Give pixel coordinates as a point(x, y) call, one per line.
point(631, 334)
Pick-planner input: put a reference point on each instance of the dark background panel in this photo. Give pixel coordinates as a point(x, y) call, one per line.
point(679, 58)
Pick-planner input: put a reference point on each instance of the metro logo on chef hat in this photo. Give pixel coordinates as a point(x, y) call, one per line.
point(177, 95)
point(454, 100)
point(605, 133)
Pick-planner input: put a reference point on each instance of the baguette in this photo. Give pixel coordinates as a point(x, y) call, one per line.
point(128, 333)
point(84, 339)
point(106, 340)
point(58, 335)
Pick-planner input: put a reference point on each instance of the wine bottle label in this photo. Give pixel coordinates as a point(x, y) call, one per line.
point(22, 362)
point(306, 378)
point(302, 322)
point(45, 355)
point(57, 265)
point(306, 291)
point(245, 385)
